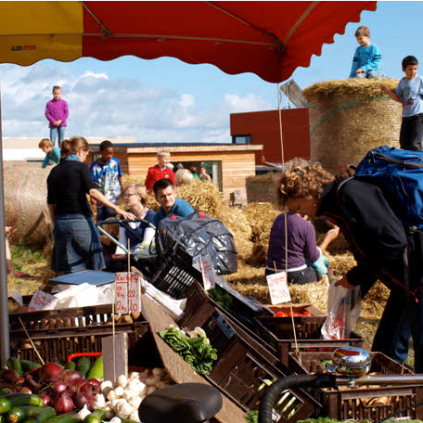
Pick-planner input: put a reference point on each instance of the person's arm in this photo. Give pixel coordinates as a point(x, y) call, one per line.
point(120, 174)
point(65, 110)
point(390, 94)
point(100, 198)
point(48, 114)
point(123, 239)
point(306, 229)
point(329, 237)
point(374, 61)
point(46, 161)
point(355, 64)
point(56, 155)
point(149, 181)
point(149, 233)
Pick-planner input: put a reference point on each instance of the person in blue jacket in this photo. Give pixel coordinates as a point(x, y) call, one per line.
point(165, 194)
point(367, 57)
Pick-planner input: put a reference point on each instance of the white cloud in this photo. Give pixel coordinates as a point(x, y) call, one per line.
point(100, 105)
point(89, 74)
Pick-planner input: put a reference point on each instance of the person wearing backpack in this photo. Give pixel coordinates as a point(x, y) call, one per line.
point(381, 246)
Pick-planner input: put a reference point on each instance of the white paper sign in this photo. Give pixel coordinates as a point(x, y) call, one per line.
point(134, 293)
point(208, 273)
point(121, 284)
point(278, 288)
point(42, 301)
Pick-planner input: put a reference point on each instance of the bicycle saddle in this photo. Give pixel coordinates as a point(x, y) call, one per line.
point(184, 403)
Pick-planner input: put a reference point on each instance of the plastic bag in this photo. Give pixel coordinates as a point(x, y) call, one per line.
point(344, 307)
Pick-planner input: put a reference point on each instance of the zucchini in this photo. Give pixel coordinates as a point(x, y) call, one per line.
point(28, 365)
point(14, 364)
point(97, 416)
point(65, 418)
point(39, 414)
point(97, 370)
point(18, 400)
point(5, 405)
point(70, 365)
point(16, 415)
point(83, 366)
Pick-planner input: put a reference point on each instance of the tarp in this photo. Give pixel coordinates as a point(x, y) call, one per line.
point(270, 39)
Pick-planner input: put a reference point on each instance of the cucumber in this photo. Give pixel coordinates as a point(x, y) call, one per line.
point(83, 366)
point(97, 416)
point(97, 370)
point(14, 364)
point(5, 391)
point(18, 400)
point(39, 414)
point(5, 405)
point(16, 415)
point(65, 418)
point(28, 365)
point(70, 365)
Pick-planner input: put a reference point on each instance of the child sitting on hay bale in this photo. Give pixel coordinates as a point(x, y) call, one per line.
point(367, 57)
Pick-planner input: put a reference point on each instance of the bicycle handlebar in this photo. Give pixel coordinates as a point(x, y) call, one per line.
point(325, 380)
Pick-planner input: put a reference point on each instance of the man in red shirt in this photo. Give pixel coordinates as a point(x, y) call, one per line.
point(160, 171)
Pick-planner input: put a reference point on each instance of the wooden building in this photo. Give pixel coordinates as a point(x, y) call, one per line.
point(228, 164)
point(263, 128)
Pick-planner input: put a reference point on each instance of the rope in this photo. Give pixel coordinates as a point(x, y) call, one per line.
point(349, 105)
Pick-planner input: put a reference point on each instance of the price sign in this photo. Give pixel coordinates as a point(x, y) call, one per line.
point(134, 293)
point(121, 285)
point(42, 301)
point(207, 270)
point(278, 288)
point(128, 289)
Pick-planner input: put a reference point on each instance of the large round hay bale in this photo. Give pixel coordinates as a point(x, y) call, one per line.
point(350, 117)
point(25, 200)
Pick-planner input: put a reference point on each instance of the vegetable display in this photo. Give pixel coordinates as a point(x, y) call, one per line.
point(194, 349)
point(221, 297)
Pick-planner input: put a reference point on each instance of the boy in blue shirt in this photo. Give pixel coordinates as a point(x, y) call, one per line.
point(367, 57)
point(52, 153)
point(107, 174)
point(409, 94)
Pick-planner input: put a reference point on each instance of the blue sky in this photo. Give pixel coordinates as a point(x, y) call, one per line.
point(166, 100)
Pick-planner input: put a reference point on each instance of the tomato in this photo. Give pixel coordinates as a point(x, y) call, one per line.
point(281, 314)
point(307, 313)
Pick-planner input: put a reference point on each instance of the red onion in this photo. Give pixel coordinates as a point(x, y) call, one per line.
point(87, 388)
point(81, 399)
point(9, 376)
point(73, 378)
point(59, 387)
point(25, 390)
point(20, 380)
point(63, 404)
point(50, 372)
point(46, 399)
point(31, 382)
point(96, 383)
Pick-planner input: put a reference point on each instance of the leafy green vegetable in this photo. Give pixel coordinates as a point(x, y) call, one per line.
point(251, 416)
point(221, 297)
point(195, 350)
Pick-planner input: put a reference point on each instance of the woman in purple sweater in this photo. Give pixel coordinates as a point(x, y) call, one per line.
point(56, 113)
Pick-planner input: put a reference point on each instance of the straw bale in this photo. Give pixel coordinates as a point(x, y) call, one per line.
point(315, 293)
point(374, 302)
point(260, 216)
point(25, 194)
point(350, 117)
point(132, 179)
point(341, 263)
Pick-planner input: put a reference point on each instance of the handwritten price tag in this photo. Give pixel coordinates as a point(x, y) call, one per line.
point(134, 294)
point(207, 270)
point(278, 288)
point(42, 301)
point(121, 285)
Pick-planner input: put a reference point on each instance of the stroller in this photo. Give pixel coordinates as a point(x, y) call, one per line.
point(173, 265)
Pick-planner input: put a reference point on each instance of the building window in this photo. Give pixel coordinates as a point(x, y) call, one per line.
point(241, 139)
point(213, 168)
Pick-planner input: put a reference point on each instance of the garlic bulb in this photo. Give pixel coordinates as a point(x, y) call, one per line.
point(135, 402)
point(111, 395)
point(134, 416)
point(106, 386)
point(123, 409)
point(119, 391)
point(84, 412)
point(159, 372)
point(99, 401)
point(115, 420)
point(122, 380)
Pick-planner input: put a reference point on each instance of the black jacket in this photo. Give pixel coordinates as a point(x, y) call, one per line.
point(378, 239)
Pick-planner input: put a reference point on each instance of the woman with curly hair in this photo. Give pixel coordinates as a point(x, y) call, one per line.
point(381, 245)
point(302, 259)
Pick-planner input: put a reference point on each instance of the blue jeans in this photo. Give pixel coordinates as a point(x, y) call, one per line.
point(77, 244)
point(394, 332)
point(370, 75)
point(57, 131)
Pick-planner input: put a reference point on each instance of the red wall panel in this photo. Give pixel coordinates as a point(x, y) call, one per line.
point(264, 129)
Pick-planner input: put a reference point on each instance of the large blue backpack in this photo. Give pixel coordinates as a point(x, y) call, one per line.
point(400, 173)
